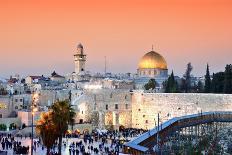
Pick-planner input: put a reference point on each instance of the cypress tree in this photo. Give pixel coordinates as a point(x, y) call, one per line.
point(171, 84)
point(207, 81)
point(228, 79)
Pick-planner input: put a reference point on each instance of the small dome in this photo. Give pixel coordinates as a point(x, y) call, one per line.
point(80, 46)
point(152, 60)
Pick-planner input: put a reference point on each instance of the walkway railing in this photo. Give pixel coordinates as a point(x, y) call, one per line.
point(142, 144)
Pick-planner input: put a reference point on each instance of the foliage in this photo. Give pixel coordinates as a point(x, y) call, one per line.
point(222, 81)
point(3, 127)
point(218, 82)
point(171, 85)
point(187, 78)
point(47, 130)
point(228, 79)
point(53, 124)
point(12, 126)
point(150, 85)
point(207, 80)
point(200, 87)
point(62, 115)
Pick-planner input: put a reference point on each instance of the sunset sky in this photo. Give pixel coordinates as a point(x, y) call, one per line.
point(39, 36)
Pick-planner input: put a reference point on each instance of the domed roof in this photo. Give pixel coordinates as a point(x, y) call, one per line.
point(152, 60)
point(79, 45)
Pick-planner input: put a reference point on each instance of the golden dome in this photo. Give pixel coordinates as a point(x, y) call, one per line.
point(152, 60)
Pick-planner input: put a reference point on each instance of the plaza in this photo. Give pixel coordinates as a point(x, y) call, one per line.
point(100, 143)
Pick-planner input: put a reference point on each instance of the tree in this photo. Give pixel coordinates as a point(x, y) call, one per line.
point(3, 127)
point(187, 78)
point(217, 84)
point(47, 130)
point(228, 79)
point(150, 85)
point(12, 126)
point(207, 81)
point(63, 115)
point(199, 86)
point(171, 85)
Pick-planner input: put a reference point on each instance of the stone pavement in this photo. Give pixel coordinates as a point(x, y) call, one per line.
point(65, 150)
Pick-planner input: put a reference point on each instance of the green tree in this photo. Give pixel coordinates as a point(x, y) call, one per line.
point(187, 78)
point(150, 85)
point(63, 115)
point(207, 81)
point(228, 79)
point(12, 126)
point(199, 87)
point(217, 84)
point(47, 130)
point(3, 127)
point(171, 85)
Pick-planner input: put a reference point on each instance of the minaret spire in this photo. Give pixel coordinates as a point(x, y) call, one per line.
point(80, 59)
point(152, 47)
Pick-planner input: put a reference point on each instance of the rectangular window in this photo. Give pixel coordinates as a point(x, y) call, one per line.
point(116, 106)
point(16, 100)
point(0, 115)
point(126, 106)
point(21, 100)
point(107, 107)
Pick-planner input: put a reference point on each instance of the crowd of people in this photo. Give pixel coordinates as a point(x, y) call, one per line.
point(96, 142)
point(8, 142)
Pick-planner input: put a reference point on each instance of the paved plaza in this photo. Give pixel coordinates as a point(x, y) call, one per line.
point(65, 149)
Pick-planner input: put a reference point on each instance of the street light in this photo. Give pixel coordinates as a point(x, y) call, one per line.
point(33, 110)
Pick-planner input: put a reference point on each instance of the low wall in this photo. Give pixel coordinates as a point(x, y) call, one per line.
point(8, 121)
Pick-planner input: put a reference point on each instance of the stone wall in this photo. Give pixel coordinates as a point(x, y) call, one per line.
point(146, 106)
point(112, 106)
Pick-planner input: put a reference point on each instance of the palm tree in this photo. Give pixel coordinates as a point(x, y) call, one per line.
point(47, 130)
point(63, 115)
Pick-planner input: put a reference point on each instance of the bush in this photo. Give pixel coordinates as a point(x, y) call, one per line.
point(3, 127)
point(12, 126)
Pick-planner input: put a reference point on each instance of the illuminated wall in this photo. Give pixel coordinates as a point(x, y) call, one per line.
point(146, 106)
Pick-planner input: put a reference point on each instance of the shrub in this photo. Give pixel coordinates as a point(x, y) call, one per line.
point(3, 127)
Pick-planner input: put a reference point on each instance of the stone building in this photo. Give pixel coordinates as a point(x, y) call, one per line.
point(104, 108)
point(80, 59)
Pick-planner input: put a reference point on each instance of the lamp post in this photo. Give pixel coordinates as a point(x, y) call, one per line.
point(32, 118)
point(33, 110)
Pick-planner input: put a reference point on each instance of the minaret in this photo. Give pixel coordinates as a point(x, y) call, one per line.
point(79, 59)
